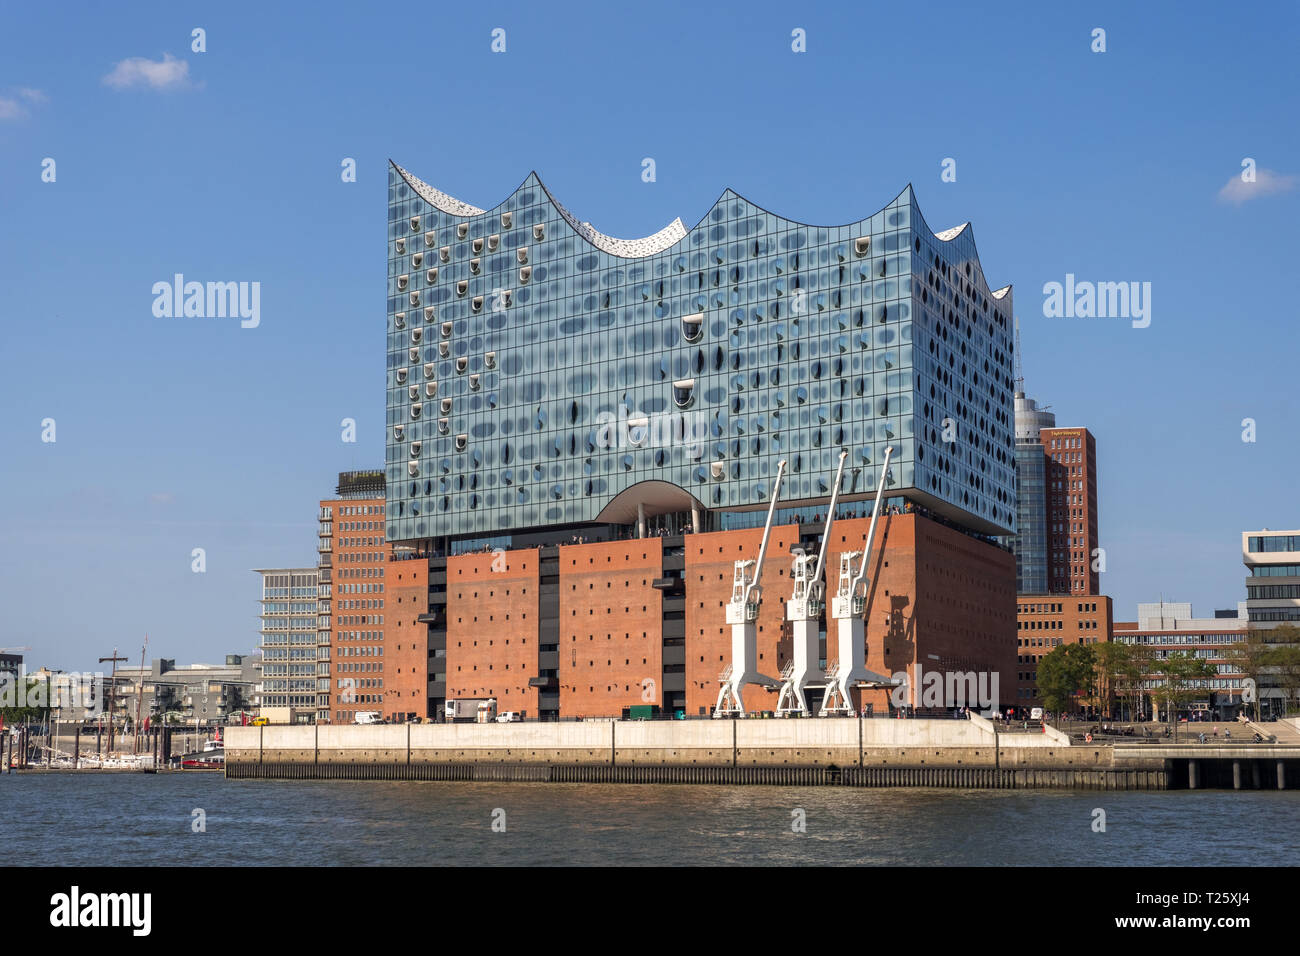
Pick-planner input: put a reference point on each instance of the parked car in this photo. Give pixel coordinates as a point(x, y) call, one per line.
point(508, 717)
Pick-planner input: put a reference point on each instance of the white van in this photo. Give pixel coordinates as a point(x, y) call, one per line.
point(1036, 714)
point(368, 717)
point(508, 717)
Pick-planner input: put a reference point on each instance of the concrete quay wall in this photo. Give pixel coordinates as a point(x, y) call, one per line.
point(829, 743)
point(803, 742)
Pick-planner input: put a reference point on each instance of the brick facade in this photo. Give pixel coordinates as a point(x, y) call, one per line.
point(710, 563)
point(492, 628)
point(406, 688)
point(611, 627)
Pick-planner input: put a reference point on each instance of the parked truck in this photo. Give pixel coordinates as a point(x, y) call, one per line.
point(466, 711)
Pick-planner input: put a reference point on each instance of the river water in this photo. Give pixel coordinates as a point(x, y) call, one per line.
point(146, 819)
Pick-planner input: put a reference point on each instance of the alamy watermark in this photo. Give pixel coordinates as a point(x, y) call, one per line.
point(58, 691)
point(977, 690)
point(211, 300)
point(662, 430)
point(1102, 300)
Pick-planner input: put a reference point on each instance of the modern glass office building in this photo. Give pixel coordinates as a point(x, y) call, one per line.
point(543, 374)
point(1030, 542)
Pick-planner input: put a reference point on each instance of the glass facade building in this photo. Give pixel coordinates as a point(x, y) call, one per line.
point(540, 373)
point(1030, 543)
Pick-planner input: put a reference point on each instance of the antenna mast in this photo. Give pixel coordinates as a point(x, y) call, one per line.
point(1020, 368)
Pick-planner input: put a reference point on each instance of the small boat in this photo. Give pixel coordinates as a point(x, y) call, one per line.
point(206, 759)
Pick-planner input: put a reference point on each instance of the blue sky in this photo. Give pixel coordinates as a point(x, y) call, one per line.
point(174, 434)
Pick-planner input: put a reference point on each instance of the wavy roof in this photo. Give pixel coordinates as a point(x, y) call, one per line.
point(675, 231)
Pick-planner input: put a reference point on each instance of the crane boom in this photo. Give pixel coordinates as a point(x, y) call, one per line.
point(767, 532)
point(871, 529)
point(830, 517)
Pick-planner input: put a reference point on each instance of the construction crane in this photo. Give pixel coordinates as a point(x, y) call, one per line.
point(847, 607)
point(804, 611)
point(742, 615)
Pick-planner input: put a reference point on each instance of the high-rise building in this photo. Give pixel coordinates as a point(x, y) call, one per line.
point(288, 631)
point(350, 613)
point(1057, 553)
point(1073, 551)
point(1030, 541)
point(1056, 545)
point(554, 392)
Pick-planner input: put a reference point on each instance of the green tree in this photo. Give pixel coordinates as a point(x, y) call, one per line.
point(1251, 657)
point(1183, 675)
point(1285, 663)
point(1064, 672)
point(1113, 664)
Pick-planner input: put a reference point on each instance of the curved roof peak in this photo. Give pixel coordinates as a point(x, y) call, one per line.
point(675, 231)
point(666, 237)
point(437, 198)
point(669, 235)
point(950, 234)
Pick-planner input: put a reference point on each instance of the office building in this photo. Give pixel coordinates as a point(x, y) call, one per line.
point(1030, 542)
point(1170, 627)
point(288, 644)
point(1073, 550)
point(351, 613)
point(1272, 560)
point(1048, 621)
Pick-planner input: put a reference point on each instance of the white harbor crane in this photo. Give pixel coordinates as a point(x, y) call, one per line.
point(804, 611)
point(847, 607)
point(742, 615)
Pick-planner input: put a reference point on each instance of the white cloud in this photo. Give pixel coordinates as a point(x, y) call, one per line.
point(168, 73)
point(11, 107)
point(1267, 183)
